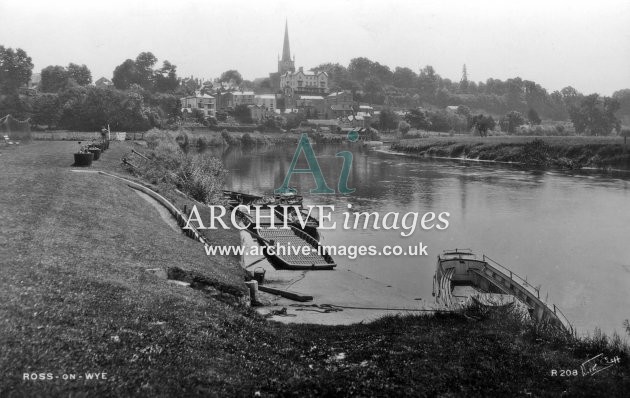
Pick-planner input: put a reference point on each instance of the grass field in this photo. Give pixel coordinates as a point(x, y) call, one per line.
point(75, 297)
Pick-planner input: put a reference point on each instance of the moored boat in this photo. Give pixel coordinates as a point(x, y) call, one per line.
point(289, 204)
point(289, 248)
point(486, 277)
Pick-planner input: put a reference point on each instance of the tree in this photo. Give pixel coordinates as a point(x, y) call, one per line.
point(198, 116)
point(403, 127)
point(533, 117)
point(444, 121)
point(360, 68)
point(404, 77)
point(464, 111)
point(418, 119)
point(511, 121)
point(242, 114)
point(623, 97)
point(515, 94)
point(53, 79)
point(166, 78)
point(483, 123)
point(382, 73)
point(140, 71)
point(428, 83)
point(336, 74)
point(46, 109)
point(80, 74)
point(595, 115)
point(144, 70)
point(374, 90)
point(231, 76)
point(387, 119)
point(125, 75)
point(90, 108)
point(15, 69)
point(56, 78)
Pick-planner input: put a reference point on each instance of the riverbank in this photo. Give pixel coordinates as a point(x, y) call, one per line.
point(76, 297)
point(562, 152)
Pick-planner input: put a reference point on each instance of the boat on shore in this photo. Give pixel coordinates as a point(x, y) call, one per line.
point(290, 249)
point(287, 206)
point(485, 279)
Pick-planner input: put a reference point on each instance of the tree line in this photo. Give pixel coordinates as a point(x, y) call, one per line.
point(142, 96)
point(515, 98)
point(145, 95)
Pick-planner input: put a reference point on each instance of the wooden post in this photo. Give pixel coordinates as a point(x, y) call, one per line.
point(253, 289)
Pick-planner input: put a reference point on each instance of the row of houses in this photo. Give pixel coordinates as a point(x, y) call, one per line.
point(326, 106)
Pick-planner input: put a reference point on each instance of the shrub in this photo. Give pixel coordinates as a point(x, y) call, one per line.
point(200, 176)
point(536, 153)
point(247, 140)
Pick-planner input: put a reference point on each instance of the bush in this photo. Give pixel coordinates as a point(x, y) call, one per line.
point(536, 153)
point(200, 176)
point(247, 140)
point(403, 127)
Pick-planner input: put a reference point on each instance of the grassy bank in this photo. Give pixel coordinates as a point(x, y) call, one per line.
point(565, 152)
point(75, 297)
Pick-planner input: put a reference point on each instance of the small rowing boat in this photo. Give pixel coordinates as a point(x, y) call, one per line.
point(485, 278)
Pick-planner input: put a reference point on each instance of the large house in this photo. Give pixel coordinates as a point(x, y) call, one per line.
point(203, 102)
point(241, 98)
point(267, 101)
point(299, 82)
point(339, 104)
point(313, 106)
point(293, 85)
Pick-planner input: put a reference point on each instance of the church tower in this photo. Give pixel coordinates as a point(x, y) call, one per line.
point(286, 64)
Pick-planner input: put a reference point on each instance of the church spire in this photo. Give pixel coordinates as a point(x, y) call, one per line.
point(286, 51)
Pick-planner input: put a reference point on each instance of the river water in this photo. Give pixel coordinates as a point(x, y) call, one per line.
point(568, 233)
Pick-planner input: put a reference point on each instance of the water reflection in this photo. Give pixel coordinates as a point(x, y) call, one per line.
point(565, 231)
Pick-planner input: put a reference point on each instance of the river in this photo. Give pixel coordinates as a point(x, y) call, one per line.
point(567, 232)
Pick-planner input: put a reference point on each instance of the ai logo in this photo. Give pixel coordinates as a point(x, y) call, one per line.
point(313, 168)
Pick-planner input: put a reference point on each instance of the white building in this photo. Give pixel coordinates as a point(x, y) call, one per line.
point(242, 98)
point(267, 101)
point(204, 102)
point(303, 83)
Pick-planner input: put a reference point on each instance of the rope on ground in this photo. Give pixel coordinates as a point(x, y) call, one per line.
point(323, 308)
point(334, 308)
point(280, 312)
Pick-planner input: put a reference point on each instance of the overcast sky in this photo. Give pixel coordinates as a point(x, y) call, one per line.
point(585, 44)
